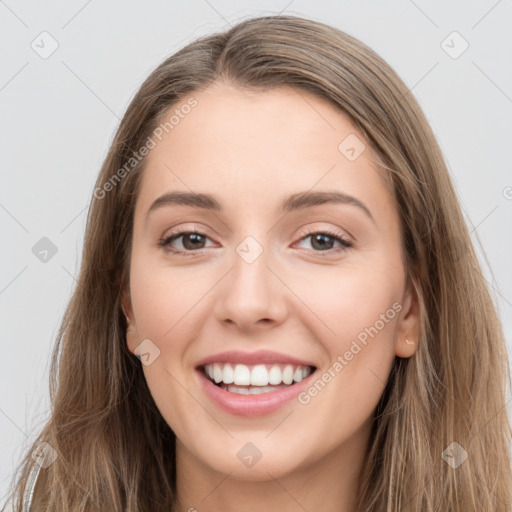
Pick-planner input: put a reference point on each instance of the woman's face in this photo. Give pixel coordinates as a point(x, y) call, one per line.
point(298, 255)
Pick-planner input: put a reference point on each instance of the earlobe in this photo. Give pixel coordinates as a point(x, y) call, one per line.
point(405, 348)
point(131, 340)
point(408, 329)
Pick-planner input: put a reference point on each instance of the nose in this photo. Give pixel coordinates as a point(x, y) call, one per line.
point(251, 296)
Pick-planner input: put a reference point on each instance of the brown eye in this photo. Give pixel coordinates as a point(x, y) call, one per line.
point(192, 241)
point(323, 241)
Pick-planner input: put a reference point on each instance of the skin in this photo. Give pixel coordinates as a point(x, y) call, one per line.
point(251, 150)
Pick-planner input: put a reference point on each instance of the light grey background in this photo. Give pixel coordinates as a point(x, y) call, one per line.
point(59, 115)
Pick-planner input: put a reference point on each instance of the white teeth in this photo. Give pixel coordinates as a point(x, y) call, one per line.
point(217, 373)
point(242, 375)
point(253, 390)
point(275, 375)
point(228, 375)
point(262, 389)
point(259, 375)
point(301, 373)
point(288, 374)
point(297, 376)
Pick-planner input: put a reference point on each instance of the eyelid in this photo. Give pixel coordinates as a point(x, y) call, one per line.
point(335, 233)
point(186, 228)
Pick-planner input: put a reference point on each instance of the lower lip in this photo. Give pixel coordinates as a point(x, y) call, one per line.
point(251, 405)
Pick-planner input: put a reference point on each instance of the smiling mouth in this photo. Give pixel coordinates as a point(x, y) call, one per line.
point(255, 379)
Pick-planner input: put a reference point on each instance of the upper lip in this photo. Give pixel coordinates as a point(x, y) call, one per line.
point(252, 358)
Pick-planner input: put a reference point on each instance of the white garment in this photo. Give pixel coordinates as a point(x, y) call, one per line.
point(29, 490)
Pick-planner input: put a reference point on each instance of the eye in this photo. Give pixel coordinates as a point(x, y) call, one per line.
point(322, 241)
point(192, 242)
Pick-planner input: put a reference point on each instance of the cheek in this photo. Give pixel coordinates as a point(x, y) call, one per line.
point(162, 297)
point(358, 315)
point(163, 306)
point(359, 358)
point(348, 301)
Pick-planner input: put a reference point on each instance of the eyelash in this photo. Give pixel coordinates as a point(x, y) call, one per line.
point(164, 243)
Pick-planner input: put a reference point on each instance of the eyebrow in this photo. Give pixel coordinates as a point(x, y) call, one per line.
point(295, 202)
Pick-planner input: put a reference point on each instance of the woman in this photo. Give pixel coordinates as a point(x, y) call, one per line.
point(329, 343)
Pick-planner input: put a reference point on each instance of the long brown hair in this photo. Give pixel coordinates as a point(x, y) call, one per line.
point(441, 436)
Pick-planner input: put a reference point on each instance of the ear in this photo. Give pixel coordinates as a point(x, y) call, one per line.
point(408, 329)
point(126, 306)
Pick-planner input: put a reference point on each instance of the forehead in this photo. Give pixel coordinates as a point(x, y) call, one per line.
point(258, 146)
